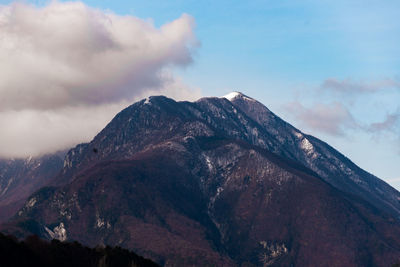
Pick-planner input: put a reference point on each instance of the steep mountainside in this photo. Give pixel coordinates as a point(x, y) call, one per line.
point(19, 178)
point(327, 162)
point(149, 122)
point(217, 182)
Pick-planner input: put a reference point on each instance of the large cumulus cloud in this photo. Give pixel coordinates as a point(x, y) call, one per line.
point(67, 68)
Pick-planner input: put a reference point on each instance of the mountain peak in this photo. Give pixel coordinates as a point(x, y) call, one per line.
point(222, 170)
point(235, 94)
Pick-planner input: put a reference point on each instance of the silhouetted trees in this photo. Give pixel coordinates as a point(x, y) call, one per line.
point(34, 251)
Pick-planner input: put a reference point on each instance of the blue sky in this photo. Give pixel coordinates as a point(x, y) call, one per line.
point(331, 68)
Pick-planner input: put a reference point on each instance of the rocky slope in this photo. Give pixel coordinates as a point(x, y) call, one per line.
point(19, 178)
point(236, 117)
point(317, 155)
point(217, 182)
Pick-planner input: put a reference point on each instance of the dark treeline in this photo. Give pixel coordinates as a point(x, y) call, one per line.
point(34, 251)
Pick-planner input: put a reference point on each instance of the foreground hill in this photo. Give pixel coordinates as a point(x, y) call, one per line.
point(217, 182)
point(35, 252)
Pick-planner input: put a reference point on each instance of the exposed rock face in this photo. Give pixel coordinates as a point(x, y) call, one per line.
point(58, 232)
point(217, 182)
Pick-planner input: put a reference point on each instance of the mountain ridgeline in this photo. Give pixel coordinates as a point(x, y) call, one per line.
point(216, 182)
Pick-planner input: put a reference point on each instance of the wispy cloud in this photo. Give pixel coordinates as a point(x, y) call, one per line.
point(393, 180)
point(333, 113)
point(387, 129)
point(349, 86)
point(390, 123)
point(67, 68)
point(332, 119)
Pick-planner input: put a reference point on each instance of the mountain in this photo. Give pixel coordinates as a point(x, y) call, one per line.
point(237, 117)
point(19, 178)
point(216, 182)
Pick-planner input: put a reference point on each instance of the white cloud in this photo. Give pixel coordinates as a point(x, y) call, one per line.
point(34, 132)
point(67, 68)
point(68, 53)
point(31, 132)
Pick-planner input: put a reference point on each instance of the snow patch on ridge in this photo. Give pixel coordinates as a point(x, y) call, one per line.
point(307, 146)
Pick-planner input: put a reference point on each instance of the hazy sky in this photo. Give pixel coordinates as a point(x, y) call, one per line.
point(331, 68)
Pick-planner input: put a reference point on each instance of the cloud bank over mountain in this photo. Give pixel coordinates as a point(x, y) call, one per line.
point(68, 68)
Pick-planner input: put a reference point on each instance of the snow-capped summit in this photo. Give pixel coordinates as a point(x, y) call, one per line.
point(222, 169)
point(235, 94)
